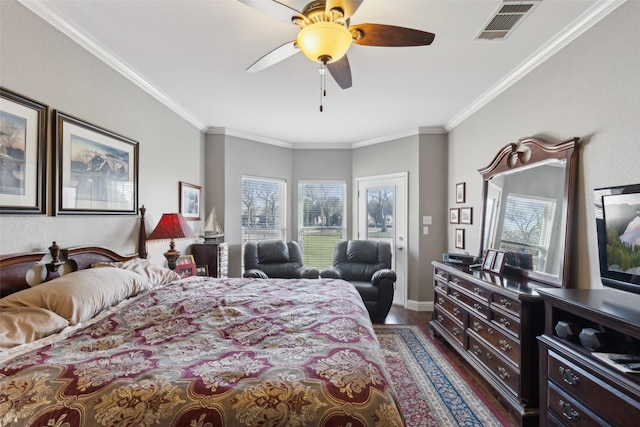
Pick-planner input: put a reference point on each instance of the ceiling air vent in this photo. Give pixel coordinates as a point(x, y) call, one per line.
point(509, 15)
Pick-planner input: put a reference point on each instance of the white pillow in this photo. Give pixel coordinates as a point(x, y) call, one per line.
point(80, 295)
point(21, 325)
point(156, 274)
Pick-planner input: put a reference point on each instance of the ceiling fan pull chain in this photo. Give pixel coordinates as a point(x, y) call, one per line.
point(323, 83)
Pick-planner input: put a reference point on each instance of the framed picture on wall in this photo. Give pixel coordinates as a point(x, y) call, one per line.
point(454, 216)
point(460, 238)
point(23, 130)
point(466, 215)
point(190, 201)
point(97, 170)
point(460, 192)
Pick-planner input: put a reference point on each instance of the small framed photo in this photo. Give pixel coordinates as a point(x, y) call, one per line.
point(460, 192)
point(489, 258)
point(203, 270)
point(466, 215)
point(190, 201)
point(186, 270)
point(23, 154)
point(454, 216)
point(460, 238)
point(185, 259)
point(97, 170)
point(498, 262)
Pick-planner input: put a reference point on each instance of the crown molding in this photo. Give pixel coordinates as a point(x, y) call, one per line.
point(64, 25)
point(589, 18)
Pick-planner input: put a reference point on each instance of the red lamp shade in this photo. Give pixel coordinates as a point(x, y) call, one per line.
point(172, 226)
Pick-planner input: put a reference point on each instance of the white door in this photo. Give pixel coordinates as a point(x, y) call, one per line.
point(382, 215)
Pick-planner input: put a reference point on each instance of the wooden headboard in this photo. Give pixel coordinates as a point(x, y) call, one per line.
point(14, 268)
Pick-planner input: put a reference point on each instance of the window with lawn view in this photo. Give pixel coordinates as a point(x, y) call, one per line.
point(322, 220)
point(263, 209)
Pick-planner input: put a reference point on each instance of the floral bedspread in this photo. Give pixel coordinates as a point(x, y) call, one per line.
point(211, 352)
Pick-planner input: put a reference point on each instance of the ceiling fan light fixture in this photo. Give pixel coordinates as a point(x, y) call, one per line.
point(324, 39)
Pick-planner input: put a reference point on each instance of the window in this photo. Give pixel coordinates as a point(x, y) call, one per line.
point(527, 227)
point(322, 220)
point(263, 209)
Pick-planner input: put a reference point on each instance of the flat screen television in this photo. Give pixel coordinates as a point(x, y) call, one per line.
point(617, 212)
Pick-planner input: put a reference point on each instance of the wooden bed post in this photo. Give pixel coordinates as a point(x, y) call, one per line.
point(142, 238)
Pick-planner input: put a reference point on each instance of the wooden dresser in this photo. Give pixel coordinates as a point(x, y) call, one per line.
point(493, 322)
point(214, 255)
point(576, 387)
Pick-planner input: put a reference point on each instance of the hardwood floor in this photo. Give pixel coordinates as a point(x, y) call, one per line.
point(399, 316)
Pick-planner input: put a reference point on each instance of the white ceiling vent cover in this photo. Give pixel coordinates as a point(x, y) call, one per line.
point(509, 15)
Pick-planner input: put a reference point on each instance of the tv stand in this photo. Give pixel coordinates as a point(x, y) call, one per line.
point(577, 387)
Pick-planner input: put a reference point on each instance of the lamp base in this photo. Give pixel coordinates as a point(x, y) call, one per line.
point(172, 255)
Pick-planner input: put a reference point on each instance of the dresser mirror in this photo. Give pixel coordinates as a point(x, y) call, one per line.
point(528, 197)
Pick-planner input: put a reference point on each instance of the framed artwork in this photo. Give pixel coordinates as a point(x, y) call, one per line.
point(186, 270)
point(23, 153)
point(97, 170)
point(454, 216)
point(460, 238)
point(466, 215)
point(185, 259)
point(190, 201)
point(203, 270)
point(460, 192)
point(489, 257)
point(498, 262)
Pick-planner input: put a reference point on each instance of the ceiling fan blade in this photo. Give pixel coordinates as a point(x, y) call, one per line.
point(276, 55)
point(341, 72)
point(349, 7)
point(273, 8)
point(390, 35)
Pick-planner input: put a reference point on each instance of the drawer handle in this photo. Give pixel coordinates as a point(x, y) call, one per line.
point(477, 307)
point(568, 411)
point(456, 331)
point(504, 374)
point(505, 303)
point(505, 322)
point(568, 376)
point(456, 280)
point(440, 318)
point(441, 301)
point(490, 330)
point(456, 311)
point(477, 326)
point(504, 345)
point(477, 350)
point(455, 294)
point(489, 356)
point(477, 290)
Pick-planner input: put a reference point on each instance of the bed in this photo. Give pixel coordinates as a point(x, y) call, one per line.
point(118, 341)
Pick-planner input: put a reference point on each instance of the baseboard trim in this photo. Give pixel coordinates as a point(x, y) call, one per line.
point(420, 305)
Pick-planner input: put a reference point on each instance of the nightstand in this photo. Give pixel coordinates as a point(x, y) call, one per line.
point(214, 255)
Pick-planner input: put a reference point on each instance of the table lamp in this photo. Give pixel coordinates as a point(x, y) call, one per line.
point(172, 226)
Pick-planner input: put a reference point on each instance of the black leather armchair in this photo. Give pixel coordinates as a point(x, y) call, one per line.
point(367, 265)
point(275, 259)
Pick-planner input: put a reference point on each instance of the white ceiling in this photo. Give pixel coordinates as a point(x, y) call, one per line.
point(192, 55)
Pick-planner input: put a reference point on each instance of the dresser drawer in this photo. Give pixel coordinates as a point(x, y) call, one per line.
point(440, 275)
point(508, 322)
point(593, 392)
point(511, 305)
point(503, 371)
point(454, 328)
point(479, 291)
point(478, 305)
point(451, 307)
point(506, 345)
point(568, 411)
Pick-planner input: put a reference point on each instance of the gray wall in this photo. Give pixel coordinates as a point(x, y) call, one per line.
point(40, 62)
point(589, 89)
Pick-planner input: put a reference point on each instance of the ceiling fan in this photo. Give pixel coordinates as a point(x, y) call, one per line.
point(326, 35)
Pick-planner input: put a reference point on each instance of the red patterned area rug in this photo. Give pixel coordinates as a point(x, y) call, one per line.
point(430, 390)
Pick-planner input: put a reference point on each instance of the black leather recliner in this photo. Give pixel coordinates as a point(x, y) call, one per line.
point(275, 259)
point(367, 265)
